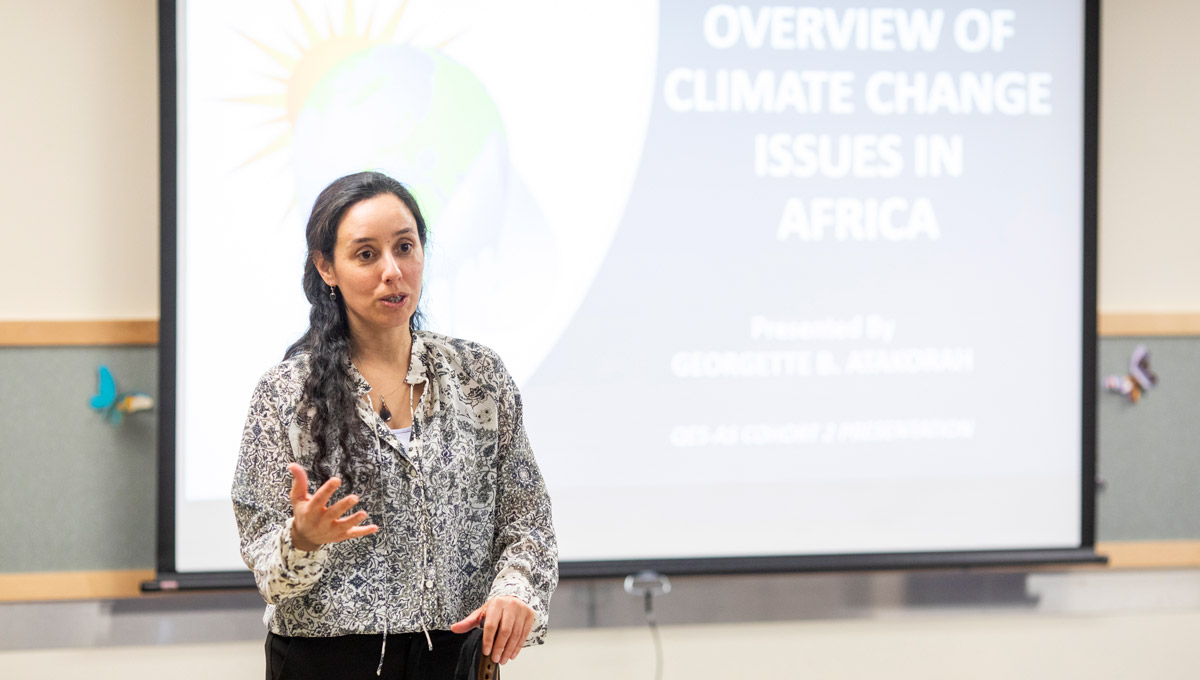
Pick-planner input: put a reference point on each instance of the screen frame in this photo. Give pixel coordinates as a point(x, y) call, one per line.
point(168, 578)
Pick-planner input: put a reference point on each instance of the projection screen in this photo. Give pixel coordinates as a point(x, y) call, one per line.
point(783, 286)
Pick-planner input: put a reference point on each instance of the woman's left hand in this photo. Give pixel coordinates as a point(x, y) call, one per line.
point(506, 623)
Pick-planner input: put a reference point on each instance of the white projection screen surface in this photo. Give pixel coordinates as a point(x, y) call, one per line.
point(783, 286)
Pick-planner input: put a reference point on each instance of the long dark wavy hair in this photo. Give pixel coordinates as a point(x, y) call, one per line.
point(329, 389)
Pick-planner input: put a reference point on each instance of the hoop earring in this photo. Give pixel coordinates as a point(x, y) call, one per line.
point(332, 295)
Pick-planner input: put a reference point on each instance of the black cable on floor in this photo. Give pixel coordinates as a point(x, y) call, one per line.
point(653, 623)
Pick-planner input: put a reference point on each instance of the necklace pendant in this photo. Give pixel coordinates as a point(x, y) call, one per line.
point(385, 412)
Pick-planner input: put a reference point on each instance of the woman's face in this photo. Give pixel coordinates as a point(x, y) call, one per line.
point(377, 264)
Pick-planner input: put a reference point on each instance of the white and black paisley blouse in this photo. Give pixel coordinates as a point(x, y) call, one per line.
point(463, 512)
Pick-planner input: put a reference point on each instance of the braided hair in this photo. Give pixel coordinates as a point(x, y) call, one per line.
point(329, 390)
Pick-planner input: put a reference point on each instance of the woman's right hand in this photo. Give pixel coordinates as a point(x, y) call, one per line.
point(314, 523)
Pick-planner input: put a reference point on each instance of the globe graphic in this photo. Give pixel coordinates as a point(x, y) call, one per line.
point(420, 117)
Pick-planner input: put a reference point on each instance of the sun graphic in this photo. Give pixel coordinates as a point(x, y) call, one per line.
point(314, 61)
point(367, 76)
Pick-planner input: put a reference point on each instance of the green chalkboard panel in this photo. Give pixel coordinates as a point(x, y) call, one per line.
point(78, 493)
point(1149, 452)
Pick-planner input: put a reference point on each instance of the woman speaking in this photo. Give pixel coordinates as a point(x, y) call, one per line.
point(386, 494)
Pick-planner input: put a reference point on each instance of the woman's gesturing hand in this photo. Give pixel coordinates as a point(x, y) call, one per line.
point(506, 623)
point(316, 524)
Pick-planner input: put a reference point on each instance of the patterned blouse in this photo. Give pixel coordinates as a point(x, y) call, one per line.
point(463, 512)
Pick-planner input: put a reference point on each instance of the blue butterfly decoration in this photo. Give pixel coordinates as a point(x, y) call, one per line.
point(114, 406)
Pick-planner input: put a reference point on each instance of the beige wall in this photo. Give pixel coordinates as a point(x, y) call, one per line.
point(1149, 150)
point(80, 175)
point(79, 159)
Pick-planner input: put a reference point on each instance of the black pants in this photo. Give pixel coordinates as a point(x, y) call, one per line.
point(357, 656)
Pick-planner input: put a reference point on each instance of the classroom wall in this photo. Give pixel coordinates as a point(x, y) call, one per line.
point(79, 159)
point(79, 141)
point(1149, 142)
